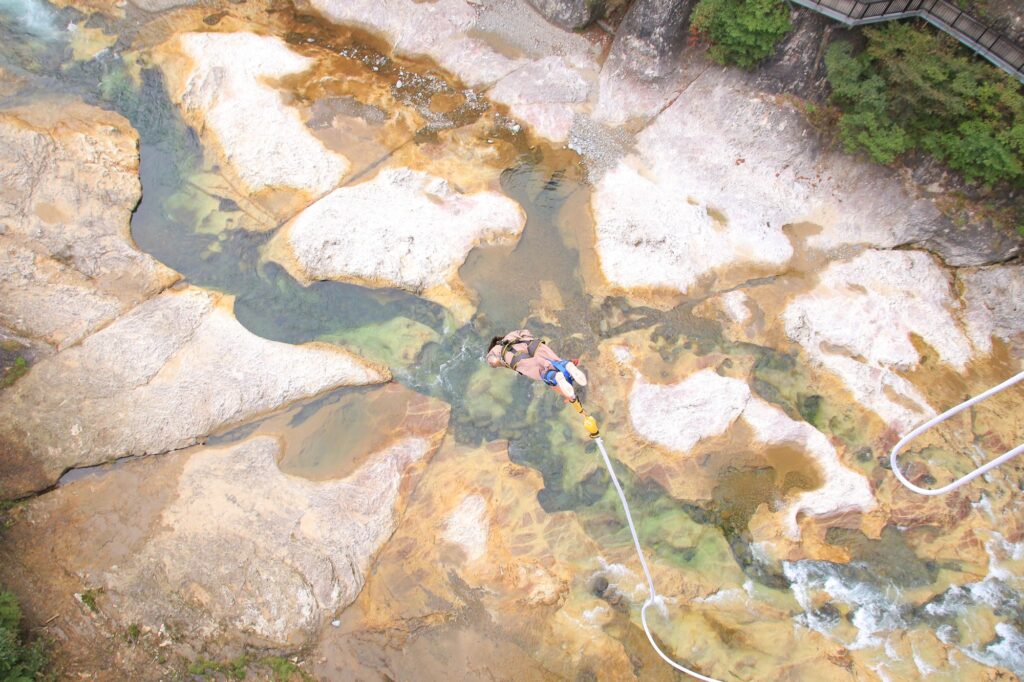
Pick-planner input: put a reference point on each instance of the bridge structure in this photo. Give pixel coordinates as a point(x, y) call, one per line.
point(990, 43)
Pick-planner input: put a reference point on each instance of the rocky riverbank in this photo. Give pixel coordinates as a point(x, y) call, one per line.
point(760, 316)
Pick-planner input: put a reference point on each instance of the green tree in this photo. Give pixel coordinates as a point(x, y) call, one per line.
point(913, 88)
point(741, 32)
point(18, 662)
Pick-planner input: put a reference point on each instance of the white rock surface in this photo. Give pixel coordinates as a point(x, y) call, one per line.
point(174, 369)
point(543, 74)
point(226, 91)
point(735, 304)
point(679, 416)
point(402, 229)
point(434, 29)
point(546, 94)
point(761, 172)
point(994, 298)
point(68, 184)
point(858, 320)
point(248, 548)
point(468, 526)
point(650, 234)
point(704, 405)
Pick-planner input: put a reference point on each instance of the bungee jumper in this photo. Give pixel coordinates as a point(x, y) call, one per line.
point(532, 357)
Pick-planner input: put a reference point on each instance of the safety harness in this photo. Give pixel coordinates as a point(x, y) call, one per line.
point(519, 356)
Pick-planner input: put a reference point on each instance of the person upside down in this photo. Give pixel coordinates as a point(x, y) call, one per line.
point(523, 352)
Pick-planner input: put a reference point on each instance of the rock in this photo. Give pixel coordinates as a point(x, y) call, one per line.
point(307, 561)
point(402, 229)
point(68, 265)
point(572, 15)
point(10, 83)
point(173, 370)
point(437, 29)
point(994, 298)
point(215, 547)
point(798, 65)
point(680, 242)
point(650, 38)
point(981, 241)
point(765, 171)
point(547, 93)
point(643, 72)
point(476, 553)
point(223, 84)
point(706, 405)
point(542, 73)
point(858, 321)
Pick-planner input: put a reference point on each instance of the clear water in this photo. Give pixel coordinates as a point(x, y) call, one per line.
point(885, 589)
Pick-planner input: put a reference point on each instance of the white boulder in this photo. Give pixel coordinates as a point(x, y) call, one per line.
point(704, 405)
point(225, 89)
point(402, 229)
point(857, 322)
point(173, 370)
point(68, 185)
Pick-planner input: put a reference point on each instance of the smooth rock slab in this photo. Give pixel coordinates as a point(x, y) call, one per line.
point(994, 298)
point(68, 185)
point(762, 172)
point(704, 405)
point(160, 378)
point(299, 549)
point(858, 321)
point(543, 74)
point(210, 547)
point(650, 236)
point(223, 84)
point(402, 229)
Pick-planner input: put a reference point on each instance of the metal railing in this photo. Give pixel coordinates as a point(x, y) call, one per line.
point(983, 39)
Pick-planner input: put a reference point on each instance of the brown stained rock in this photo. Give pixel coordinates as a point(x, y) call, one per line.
point(68, 265)
point(208, 548)
point(476, 550)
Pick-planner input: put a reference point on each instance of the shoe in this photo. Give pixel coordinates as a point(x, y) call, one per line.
point(563, 386)
point(576, 373)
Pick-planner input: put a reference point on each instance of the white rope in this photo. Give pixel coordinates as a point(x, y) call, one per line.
point(647, 572)
point(893, 457)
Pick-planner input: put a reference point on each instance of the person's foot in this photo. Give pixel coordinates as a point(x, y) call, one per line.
point(576, 373)
point(563, 386)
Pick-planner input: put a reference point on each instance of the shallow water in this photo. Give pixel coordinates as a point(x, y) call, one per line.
point(888, 588)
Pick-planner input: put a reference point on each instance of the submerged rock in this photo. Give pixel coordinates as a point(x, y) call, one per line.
point(160, 378)
point(223, 84)
point(402, 229)
point(68, 265)
point(477, 556)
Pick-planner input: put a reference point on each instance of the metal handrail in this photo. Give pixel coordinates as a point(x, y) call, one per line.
point(983, 39)
point(1010, 454)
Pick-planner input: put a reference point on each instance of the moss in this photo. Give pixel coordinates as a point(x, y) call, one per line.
point(17, 370)
point(281, 669)
point(88, 598)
